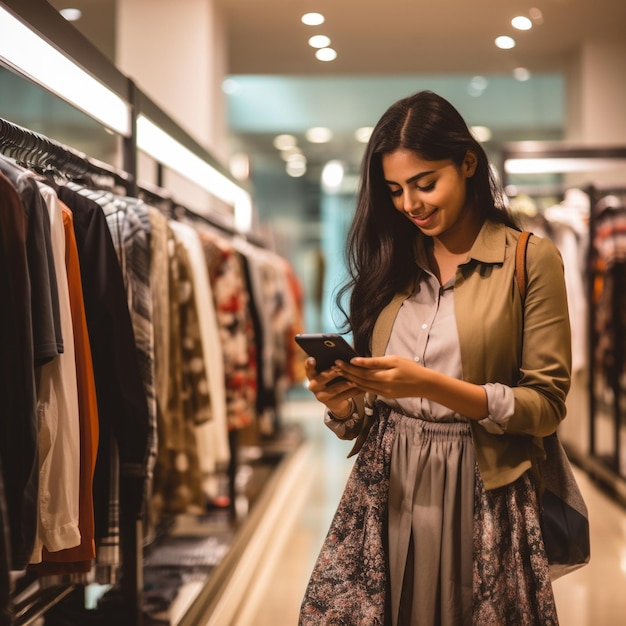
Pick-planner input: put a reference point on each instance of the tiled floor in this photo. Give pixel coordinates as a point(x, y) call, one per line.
point(592, 596)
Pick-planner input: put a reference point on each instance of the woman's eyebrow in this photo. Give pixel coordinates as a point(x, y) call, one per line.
point(412, 179)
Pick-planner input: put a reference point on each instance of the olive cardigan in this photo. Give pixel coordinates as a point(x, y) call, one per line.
point(528, 350)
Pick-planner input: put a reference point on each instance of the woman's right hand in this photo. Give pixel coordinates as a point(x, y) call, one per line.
point(337, 396)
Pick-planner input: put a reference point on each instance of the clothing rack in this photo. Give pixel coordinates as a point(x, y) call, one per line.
point(612, 465)
point(49, 157)
point(217, 221)
point(607, 473)
point(53, 159)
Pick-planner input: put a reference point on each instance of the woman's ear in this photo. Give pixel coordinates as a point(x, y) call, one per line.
point(470, 163)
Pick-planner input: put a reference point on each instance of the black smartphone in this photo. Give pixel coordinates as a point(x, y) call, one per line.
point(326, 348)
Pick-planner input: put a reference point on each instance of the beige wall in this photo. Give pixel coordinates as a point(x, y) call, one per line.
point(178, 58)
point(596, 101)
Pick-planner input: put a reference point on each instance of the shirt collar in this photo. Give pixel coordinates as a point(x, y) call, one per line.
point(490, 244)
point(488, 247)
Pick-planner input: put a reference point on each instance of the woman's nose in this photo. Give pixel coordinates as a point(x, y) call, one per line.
point(412, 203)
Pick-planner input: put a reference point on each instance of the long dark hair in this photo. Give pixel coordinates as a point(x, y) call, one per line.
point(381, 242)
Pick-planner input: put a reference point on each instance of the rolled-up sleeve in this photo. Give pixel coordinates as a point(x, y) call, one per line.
point(501, 405)
point(346, 428)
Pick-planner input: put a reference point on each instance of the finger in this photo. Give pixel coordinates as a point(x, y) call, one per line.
point(309, 367)
point(370, 363)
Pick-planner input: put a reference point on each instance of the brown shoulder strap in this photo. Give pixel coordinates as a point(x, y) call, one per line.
point(520, 262)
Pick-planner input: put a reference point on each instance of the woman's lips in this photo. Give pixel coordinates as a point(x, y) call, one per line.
point(423, 220)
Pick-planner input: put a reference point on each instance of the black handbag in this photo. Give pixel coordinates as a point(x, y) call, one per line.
point(563, 515)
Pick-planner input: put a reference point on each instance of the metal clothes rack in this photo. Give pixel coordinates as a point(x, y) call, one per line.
point(606, 472)
point(48, 157)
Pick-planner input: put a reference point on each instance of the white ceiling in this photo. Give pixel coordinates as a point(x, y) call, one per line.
point(413, 36)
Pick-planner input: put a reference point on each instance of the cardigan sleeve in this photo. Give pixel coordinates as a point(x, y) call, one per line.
point(546, 357)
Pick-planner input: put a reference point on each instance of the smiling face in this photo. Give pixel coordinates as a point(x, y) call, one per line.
point(432, 194)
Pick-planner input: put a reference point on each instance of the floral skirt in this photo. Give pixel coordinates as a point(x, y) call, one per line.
point(350, 586)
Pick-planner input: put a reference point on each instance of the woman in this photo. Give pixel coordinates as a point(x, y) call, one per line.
point(439, 522)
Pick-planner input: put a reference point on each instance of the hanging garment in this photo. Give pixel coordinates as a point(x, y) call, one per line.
point(18, 420)
point(129, 225)
point(235, 327)
point(57, 408)
point(122, 405)
point(610, 295)
point(45, 316)
point(212, 435)
point(79, 560)
point(177, 476)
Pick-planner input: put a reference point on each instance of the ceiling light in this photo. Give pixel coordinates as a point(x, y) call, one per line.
point(71, 15)
point(284, 142)
point(477, 85)
point(230, 86)
point(240, 165)
point(521, 73)
point(555, 165)
point(326, 54)
point(363, 134)
point(332, 176)
point(319, 134)
point(536, 15)
point(521, 22)
point(319, 41)
point(296, 160)
point(312, 19)
point(295, 169)
point(27, 52)
point(166, 150)
point(505, 42)
point(292, 154)
point(482, 133)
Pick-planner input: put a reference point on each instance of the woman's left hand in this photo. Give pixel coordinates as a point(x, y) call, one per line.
point(388, 376)
point(399, 377)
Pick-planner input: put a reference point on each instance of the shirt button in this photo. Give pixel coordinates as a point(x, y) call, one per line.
point(417, 359)
point(424, 326)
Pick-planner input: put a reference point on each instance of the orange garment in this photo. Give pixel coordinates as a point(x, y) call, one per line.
point(79, 559)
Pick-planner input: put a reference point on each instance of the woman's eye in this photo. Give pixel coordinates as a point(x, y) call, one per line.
point(395, 193)
point(427, 187)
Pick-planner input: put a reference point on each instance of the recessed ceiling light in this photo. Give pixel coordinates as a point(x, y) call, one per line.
point(477, 85)
point(284, 142)
point(536, 15)
point(505, 42)
point(295, 169)
point(332, 175)
point(521, 22)
point(325, 54)
point(363, 134)
point(312, 19)
point(71, 15)
point(292, 154)
point(482, 133)
point(240, 166)
point(521, 73)
point(319, 134)
point(230, 86)
point(319, 41)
